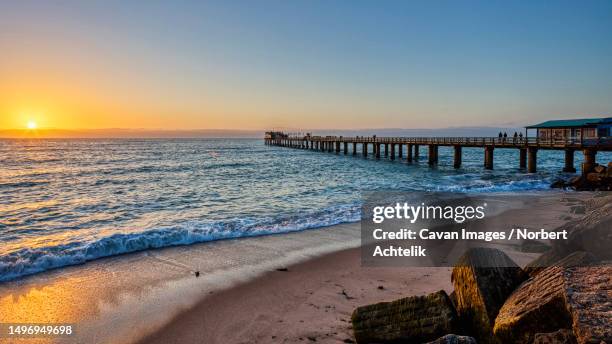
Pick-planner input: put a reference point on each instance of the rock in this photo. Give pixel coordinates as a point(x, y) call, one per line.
point(578, 298)
point(599, 169)
point(558, 184)
point(589, 294)
point(592, 181)
point(453, 298)
point(533, 246)
point(578, 258)
point(577, 209)
point(598, 201)
point(483, 278)
point(414, 319)
point(593, 177)
point(591, 233)
point(562, 336)
point(538, 305)
point(453, 339)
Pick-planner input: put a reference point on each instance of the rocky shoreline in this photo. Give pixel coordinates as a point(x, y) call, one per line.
point(597, 179)
point(564, 296)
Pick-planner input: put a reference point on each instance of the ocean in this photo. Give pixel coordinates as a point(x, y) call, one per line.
point(65, 202)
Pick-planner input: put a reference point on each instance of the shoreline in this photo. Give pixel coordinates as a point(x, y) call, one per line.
point(119, 299)
point(313, 300)
point(144, 296)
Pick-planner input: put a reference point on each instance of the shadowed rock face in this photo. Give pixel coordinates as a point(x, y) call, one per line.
point(558, 337)
point(454, 339)
point(483, 278)
point(578, 298)
point(415, 319)
point(591, 233)
point(578, 258)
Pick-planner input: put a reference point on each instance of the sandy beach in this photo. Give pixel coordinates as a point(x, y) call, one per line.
point(313, 301)
point(287, 288)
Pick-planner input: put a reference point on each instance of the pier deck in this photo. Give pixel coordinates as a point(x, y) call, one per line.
point(394, 147)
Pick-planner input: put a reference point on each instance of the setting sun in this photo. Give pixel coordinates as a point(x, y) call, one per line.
point(32, 125)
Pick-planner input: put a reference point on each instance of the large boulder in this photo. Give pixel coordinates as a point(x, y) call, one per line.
point(578, 298)
point(453, 339)
point(591, 233)
point(558, 337)
point(538, 306)
point(483, 278)
point(589, 299)
point(414, 319)
point(578, 258)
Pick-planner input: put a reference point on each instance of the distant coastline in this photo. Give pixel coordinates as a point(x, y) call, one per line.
point(114, 133)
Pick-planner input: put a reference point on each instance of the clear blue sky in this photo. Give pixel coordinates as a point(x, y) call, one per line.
point(308, 64)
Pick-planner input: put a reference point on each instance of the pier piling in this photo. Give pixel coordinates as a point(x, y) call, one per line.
point(433, 155)
point(488, 160)
point(457, 157)
point(392, 151)
point(522, 158)
point(532, 159)
point(569, 161)
point(589, 161)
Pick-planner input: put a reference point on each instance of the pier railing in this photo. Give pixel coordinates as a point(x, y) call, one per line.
point(515, 142)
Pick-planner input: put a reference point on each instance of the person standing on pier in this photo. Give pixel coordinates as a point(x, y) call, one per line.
point(499, 136)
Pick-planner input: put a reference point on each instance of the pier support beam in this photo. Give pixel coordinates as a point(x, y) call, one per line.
point(337, 147)
point(354, 148)
point(330, 146)
point(488, 163)
point(409, 153)
point(364, 148)
point(392, 151)
point(399, 150)
point(589, 161)
point(532, 159)
point(377, 150)
point(416, 152)
point(457, 157)
point(345, 148)
point(522, 157)
point(569, 161)
point(386, 150)
point(433, 155)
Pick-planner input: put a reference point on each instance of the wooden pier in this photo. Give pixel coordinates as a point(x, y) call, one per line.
point(393, 148)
